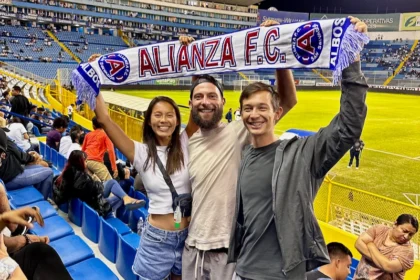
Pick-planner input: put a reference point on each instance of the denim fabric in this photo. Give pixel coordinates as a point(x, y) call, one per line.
point(38, 176)
point(159, 253)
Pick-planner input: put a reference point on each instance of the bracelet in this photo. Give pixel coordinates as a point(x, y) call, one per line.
point(28, 241)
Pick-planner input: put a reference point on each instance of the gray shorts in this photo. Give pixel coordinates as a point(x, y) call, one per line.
point(205, 265)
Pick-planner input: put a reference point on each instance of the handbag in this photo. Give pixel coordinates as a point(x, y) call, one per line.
point(184, 201)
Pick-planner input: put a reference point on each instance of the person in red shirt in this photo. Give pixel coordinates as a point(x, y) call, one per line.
point(95, 145)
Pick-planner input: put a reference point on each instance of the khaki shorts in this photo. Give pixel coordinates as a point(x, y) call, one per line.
point(205, 265)
point(99, 169)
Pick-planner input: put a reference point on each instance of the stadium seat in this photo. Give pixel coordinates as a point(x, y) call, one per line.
point(64, 207)
point(135, 215)
point(133, 239)
point(118, 225)
point(123, 214)
point(108, 240)
point(91, 269)
point(36, 132)
point(76, 211)
point(45, 208)
point(42, 146)
point(47, 155)
point(55, 228)
point(125, 259)
point(90, 223)
point(139, 195)
point(25, 196)
point(61, 162)
point(72, 249)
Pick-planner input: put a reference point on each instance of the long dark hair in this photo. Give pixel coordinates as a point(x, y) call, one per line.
point(76, 162)
point(175, 160)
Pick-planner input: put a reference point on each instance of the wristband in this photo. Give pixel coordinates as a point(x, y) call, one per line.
point(7, 267)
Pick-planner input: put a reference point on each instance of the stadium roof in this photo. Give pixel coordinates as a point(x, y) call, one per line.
point(238, 2)
point(127, 101)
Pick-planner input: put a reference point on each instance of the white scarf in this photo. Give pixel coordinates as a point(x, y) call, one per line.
point(323, 44)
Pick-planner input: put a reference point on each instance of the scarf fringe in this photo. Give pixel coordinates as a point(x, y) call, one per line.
point(85, 93)
point(351, 46)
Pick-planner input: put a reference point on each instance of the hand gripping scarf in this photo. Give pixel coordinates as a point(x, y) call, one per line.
point(323, 44)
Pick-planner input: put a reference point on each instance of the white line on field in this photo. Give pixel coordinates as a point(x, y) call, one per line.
point(393, 154)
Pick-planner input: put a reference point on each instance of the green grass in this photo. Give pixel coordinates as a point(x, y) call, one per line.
point(392, 126)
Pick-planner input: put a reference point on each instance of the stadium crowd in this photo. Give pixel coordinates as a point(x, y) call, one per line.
point(251, 207)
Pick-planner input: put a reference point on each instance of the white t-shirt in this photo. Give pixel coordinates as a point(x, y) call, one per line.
point(65, 144)
point(70, 110)
point(158, 192)
point(215, 158)
point(73, 147)
point(16, 134)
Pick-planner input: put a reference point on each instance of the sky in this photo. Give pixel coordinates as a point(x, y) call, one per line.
point(346, 7)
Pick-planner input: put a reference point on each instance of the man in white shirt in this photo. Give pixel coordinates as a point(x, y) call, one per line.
point(75, 139)
point(238, 115)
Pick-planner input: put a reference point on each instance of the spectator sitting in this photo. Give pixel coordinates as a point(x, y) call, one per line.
point(387, 252)
point(20, 104)
point(35, 171)
point(95, 145)
point(76, 182)
point(76, 139)
point(18, 134)
point(27, 256)
point(54, 135)
point(66, 141)
point(338, 269)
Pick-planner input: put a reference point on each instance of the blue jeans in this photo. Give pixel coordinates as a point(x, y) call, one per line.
point(159, 253)
point(112, 186)
point(38, 176)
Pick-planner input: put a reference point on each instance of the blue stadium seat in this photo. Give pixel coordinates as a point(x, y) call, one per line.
point(76, 211)
point(55, 228)
point(108, 240)
point(118, 225)
point(61, 162)
point(47, 155)
point(125, 259)
point(90, 223)
point(54, 158)
point(42, 148)
point(25, 196)
point(36, 132)
point(91, 269)
point(72, 249)
point(123, 214)
point(133, 239)
point(139, 195)
point(45, 208)
point(134, 218)
point(64, 207)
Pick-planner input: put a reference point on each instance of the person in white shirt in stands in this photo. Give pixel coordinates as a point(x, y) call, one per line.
point(66, 141)
point(238, 115)
point(70, 111)
point(76, 139)
point(19, 135)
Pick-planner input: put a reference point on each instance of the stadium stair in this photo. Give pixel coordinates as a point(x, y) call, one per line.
point(63, 46)
point(403, 62)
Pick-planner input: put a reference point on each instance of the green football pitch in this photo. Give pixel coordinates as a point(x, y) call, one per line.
point(390, 162)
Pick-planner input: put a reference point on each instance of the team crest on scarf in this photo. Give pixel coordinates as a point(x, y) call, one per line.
point(116, 67)
point(307, 42)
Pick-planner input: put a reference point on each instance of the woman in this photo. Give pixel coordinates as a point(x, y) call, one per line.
point(160, 250)
point(19, 135)
point(76, 182)
point(386, 251)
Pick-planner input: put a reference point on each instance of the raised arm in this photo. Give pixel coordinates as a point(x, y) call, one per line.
point(331, 143)
point(287, 90)
point(390, 266)
point(114, 132)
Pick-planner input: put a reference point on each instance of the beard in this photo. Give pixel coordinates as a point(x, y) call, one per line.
point(207, 124)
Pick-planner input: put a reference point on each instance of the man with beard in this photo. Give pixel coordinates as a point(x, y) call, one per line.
point(215, 155)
